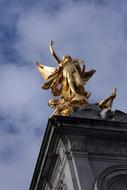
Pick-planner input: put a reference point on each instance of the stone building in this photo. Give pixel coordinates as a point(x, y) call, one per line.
point(86, 151)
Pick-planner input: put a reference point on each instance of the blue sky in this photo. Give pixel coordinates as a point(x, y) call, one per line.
point(92, 30)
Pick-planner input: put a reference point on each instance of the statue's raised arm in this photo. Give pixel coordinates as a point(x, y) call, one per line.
point(53, 52)
point(66, 83)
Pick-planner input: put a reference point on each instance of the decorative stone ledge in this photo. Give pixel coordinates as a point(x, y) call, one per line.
point(89, 138)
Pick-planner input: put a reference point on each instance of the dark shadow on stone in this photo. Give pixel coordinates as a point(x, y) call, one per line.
point(89, 111)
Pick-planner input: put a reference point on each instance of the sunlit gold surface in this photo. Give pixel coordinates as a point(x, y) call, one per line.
point(67, 82)
point(107, 103)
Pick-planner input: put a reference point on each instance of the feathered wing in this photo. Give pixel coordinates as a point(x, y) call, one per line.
point(87, 75)
point(45, 71)
point(107, 103)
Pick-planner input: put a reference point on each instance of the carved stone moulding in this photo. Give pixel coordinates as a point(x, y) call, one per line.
point(112, 177)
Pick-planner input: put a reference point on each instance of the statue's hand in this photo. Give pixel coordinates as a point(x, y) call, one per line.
point(51, 43)
point(82, 61)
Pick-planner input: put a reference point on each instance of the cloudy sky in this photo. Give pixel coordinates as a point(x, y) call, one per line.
point(92, 30)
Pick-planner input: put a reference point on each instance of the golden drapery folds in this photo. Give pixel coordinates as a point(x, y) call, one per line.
point(66, 83)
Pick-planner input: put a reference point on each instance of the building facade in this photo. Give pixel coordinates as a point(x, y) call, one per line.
point(83, 152)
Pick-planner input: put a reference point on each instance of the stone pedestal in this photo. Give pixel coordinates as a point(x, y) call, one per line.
point(83, 152)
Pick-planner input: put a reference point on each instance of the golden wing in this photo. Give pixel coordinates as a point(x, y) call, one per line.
point(45, 71)
point(107, 103)
point(87, 75)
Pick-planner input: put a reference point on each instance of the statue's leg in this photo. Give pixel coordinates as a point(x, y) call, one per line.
point(70, 80)
point(77, 78)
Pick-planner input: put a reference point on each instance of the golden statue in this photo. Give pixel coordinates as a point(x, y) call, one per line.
point(107, 103)
point(67, 82)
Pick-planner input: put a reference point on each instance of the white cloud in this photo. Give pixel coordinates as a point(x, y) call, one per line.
point(93, 32)
point(20, 171)
point(90, 31)
point(20, 90)
point(24, 104)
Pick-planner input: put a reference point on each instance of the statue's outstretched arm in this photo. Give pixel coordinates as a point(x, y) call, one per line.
point(53, 52)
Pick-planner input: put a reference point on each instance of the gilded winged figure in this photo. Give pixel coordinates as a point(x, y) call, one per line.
point(66, 82)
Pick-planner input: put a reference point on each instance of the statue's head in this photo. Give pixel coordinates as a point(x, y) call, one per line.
point(67, 58)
